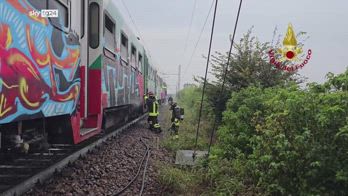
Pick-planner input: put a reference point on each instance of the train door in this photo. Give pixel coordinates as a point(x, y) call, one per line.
point(84, 57)
point(146, 73)
point(91, 73)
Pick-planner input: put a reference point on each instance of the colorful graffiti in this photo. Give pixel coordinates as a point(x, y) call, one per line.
point(39, 65)
point(122, 84)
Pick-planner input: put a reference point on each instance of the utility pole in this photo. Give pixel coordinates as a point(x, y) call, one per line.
point(179, 77)
point(177, 85)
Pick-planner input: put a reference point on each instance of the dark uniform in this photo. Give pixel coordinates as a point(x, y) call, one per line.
point(152, 105)
point(170, 100)
point(176, 117)
point(145, 101)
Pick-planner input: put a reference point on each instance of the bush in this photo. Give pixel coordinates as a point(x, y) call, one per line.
point(272, 141)
point(286, 140)
point(190, 99)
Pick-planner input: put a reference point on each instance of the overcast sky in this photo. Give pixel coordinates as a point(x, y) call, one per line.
point(164, 26)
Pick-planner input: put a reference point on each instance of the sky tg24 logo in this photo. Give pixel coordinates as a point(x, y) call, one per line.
point(53, 13)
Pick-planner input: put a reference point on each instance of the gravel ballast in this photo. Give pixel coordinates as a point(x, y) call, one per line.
point(110, 167)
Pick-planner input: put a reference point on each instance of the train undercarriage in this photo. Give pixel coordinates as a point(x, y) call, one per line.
point(37, 135)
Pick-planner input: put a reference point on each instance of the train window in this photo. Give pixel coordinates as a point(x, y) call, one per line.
point(140, 62)
point(124, 47)
point(109, 24)
point(94, 25)
point(63, 12)
point(38, 4)
point(82, 18)
point(133, 56)
point(109, 31)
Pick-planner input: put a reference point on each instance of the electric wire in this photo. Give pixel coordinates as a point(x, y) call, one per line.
point(137, 29)
point(225, 74)
point(190, 26)
point(205, 77)
point(199, 38)
point(132, 20)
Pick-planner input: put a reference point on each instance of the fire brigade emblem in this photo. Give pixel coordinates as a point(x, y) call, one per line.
point(290, 56)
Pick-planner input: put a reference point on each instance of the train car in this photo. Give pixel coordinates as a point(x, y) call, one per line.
point(64, 79)
point(163, 91)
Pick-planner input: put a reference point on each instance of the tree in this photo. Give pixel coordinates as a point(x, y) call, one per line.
point(249, 66)
point(289, 141)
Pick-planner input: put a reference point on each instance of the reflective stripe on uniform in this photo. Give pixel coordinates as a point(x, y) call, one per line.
point(154, 111)
point(157, 110)
point(177, 122)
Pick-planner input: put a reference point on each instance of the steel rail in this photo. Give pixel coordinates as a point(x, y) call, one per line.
point(45, 174)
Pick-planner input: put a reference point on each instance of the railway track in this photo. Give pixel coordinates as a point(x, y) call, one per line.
point(22, 173)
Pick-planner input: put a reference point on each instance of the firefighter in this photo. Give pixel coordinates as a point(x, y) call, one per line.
point(177, 116)
point(170, 100)
point(152, 105)
point(145, 100)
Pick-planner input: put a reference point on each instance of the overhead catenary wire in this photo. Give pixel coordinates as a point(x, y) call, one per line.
point(190, 26)
point(205, 77)
point(133, 21)
point(137, 29)
point(225, 74)
point(135, 25)
point(199, 38)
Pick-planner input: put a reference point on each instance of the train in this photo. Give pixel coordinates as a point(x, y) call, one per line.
point(68, 70)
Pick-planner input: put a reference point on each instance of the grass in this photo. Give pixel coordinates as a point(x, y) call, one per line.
point(183, 180)
point(175, 180)
point(187, 135)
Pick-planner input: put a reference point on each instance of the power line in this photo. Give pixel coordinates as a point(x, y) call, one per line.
point(225, 74)
point(132, 20)
point(199, 38)
point(137, 29)
point(140, 35)
point(205, 78)
point(190, 26)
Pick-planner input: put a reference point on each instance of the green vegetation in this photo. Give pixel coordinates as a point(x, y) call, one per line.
point(184, 180)
point(175, 179)
point(190, 101)
point(274, 139)
point(286, 141)
point(249, 66)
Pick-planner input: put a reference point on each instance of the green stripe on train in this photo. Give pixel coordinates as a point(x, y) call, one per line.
point(96, 64)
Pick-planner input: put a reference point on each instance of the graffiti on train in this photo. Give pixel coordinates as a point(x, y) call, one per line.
point(39, 65)
point(121, 84)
